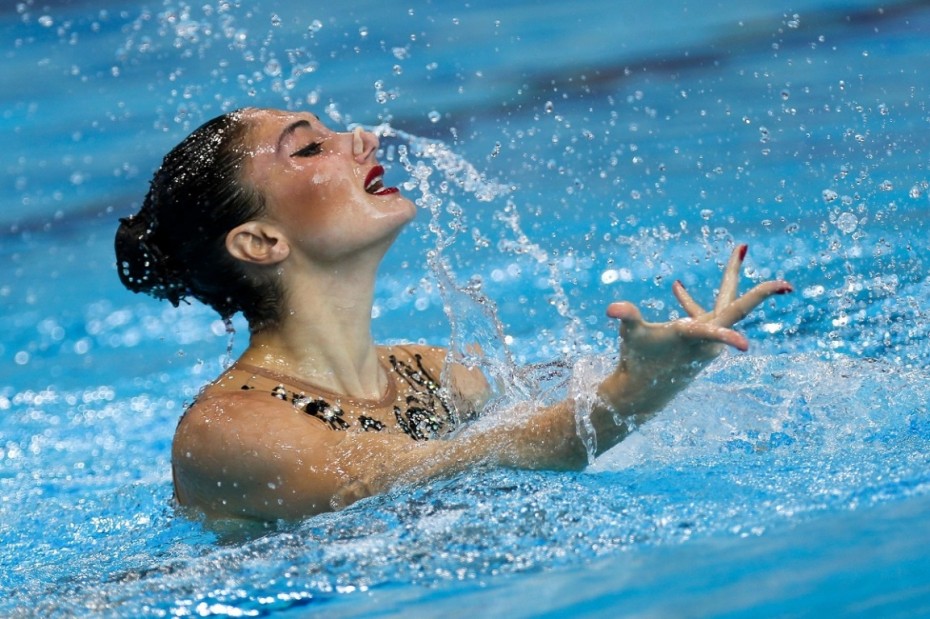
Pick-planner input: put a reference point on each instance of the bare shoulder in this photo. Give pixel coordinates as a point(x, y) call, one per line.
point(233, 449)
point(218, 412)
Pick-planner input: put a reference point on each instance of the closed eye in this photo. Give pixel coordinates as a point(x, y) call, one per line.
point(313, 148)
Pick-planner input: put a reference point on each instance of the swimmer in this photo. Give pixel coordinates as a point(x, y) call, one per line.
point(272, 214)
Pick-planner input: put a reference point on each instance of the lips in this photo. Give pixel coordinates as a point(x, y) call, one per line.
point(374, 185)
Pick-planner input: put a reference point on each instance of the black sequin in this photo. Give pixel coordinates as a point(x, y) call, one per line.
point(322, 410)
point(370, 424)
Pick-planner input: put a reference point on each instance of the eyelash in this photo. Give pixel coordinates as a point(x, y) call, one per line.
point(313, 148)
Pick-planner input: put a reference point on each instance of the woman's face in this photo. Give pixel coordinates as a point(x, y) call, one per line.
point(324, 188)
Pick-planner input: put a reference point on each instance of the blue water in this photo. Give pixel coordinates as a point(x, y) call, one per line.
point(564, 155)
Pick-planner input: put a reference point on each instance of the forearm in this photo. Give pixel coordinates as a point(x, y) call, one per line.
point(630, 397)
point(536, 438)
point(543, 438)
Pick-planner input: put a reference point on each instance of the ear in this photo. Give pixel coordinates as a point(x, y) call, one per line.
point(257, 242)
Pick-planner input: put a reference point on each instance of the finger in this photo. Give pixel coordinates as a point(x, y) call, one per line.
point(740, 308)
point(686, 300)
point(714, 333)
point(730, 282)
point(629, 316)
point(625, 311)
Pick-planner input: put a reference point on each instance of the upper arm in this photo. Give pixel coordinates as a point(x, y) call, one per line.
point(236, 455)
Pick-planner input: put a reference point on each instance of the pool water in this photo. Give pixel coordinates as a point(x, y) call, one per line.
point(564, 155)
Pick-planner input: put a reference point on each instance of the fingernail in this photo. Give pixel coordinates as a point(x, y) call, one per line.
point(786, 290)
point(678, 281)
point(742, 251)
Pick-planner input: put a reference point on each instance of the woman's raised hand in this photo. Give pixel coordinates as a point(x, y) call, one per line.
point(657, 360)
point(696, 338)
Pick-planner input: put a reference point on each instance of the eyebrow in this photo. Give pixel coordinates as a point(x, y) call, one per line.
point(291, 128)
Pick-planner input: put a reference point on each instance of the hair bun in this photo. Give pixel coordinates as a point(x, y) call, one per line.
point(141, 265)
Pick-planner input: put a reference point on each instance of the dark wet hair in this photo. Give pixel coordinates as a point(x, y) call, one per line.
point(175, 246)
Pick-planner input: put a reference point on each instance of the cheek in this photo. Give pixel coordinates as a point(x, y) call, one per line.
point(320, 207)
point(310, 193)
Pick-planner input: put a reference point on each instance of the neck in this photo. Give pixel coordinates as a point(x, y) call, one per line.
point(324, 335)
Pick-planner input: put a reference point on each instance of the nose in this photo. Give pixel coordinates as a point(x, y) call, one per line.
point(364, 144)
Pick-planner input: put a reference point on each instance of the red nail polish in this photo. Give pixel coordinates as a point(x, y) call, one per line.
point(742, 251)
point(785, 290)
point(678, 281)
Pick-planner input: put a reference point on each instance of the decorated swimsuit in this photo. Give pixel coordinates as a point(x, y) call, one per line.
point(413, 403)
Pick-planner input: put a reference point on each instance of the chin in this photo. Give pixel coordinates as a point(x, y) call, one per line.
point(411, 207)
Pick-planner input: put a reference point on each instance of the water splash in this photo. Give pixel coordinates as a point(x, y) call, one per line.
point(445, 181)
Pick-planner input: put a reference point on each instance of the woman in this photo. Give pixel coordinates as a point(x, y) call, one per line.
point(272, 214)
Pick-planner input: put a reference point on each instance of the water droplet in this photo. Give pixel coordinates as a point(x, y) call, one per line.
point(829, 195)
point(273, 68)
point(434, 116)
point(47, 21)
point(812, 292)
point(847, 223)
